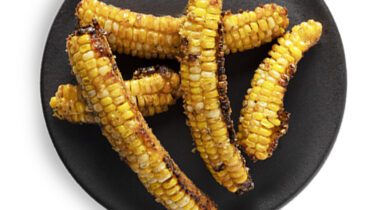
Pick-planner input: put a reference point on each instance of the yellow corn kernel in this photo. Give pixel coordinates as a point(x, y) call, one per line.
point(85, 48)
point(106, 101)
point(110, 108)
point(258, 115)
point(266, 124)
point(263, 25)
point(84, 39)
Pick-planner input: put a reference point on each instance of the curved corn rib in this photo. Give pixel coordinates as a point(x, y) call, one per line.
point(150, 105)
point(153, 89)
point(204, 86)
point(251, 29)
point(150, 36)
point(152, 80)
point(124, 126)
point(263, 119)
point(133, 33)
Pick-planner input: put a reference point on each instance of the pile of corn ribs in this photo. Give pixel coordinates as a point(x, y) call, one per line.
point(199, 40)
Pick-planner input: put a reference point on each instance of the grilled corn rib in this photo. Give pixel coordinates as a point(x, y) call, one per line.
point(124, 126)
point(251, 29)
point(263, 119)
point(150, 36)
point(204, 85)
point(67, 104)
point(153, 89)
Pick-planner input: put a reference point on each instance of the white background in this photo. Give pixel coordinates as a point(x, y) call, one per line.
point(33, 177)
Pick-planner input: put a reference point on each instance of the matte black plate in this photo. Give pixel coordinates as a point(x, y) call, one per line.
point(316, 99)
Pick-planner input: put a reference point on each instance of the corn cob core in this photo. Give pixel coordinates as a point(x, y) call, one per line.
point(263, 119)
point(155, 90)
point(203, 83)
point(124, 126)
point(150, 36)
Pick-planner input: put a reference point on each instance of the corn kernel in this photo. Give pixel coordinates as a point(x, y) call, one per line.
point(127, 115)
point(106, 101)
point(85, 39)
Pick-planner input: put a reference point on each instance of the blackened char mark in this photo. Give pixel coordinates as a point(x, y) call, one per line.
point(143, 72)
point(98, 38)
point(85, 30)
point(148, 140)
point(162, 70)
point(222, 85)
point(284, 116)
point(219, 168)
point(214, 2)
point(192, 57)
point(101, 45)
point(246, 186)
point(225, 103)
point(280, 130)
point(202, 200)
point(285, 78)
point(183, 48)
point(292, 70)
point(90, 29)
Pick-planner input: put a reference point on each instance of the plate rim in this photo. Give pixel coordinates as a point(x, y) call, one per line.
point(282, 203)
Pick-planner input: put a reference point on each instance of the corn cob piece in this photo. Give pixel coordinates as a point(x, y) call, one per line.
point(263, 119)
point(150, 36)
point(204, 85)
point(67, 104)
point(153, 89)
point(124, 126)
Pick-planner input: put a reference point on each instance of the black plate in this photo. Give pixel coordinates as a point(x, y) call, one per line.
point(316, 99)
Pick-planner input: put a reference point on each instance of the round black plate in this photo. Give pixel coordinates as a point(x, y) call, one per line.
point(316, 99)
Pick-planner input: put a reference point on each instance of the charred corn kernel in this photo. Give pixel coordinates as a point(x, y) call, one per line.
point(150, 36)
point(127, 131)
point(205, 94)
point(259, 132)
point(158, 83)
